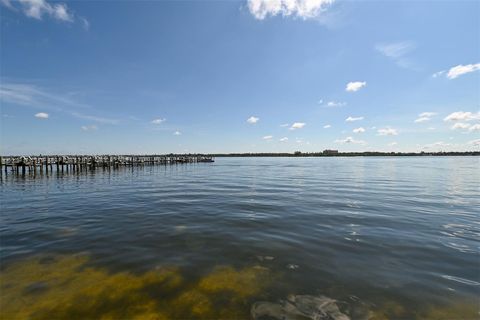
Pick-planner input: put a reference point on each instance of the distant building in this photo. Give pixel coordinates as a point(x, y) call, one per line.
point(330, 152)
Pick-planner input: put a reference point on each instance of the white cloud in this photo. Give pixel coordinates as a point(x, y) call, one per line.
point(427, 114)
point(304, 9)
point(462, 116)
point(424, 116)
point(89, 128)
point(392, 144)
point(320, 101)
point(351, 119)
point(334, 104)
point(284, 139)
point(475, 142)
point(459, 70)
point(267, 138)
point(41, 115)
point(38, 8)
point(350, 140)
point(359, 130)
point(396, 51)
point(355, 86)
point(177, 133)
point(297, 125)
point(422, 119)
point(327, 126)
point(387, 132)
point(460, 125)
point(475, 127)
point(253, 120)
point(158, 121)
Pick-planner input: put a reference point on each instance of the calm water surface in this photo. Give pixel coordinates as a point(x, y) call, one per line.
point(384, 237)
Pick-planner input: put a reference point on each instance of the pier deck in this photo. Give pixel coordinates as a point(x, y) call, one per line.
point(61, 163)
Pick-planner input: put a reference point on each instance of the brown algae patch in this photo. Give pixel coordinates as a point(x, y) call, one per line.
point(66, 287)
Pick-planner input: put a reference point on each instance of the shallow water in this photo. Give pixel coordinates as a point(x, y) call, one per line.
point(385, 237)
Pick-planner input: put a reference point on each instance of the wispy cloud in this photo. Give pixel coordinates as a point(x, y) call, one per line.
point(359, 130)
point(335, 104)
point(351, 119)
point(438, 74)
point(267, 138)
point(34, 96)
point(427, 114)
point(475, 142)
point(41, 115)
point(158, 121)
point(284, 139)
point(437, 145)
point(177, 133)
point(355, 86)
point(457, 71)
point(387, 132)
point(297, 125)
point(95, 118)
point(37, 9)
point(304, 9)
point(350, 140)
point(327, 126)
point(253, 120)
point(89, 128)
point(424, 116)
point(422, 119)
point(85, 23)
point(397, 51)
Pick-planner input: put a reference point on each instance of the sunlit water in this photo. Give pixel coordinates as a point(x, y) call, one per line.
point(386, 238)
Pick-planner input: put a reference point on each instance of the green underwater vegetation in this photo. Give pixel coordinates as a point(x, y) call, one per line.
point(66, 287)
point(71, 287)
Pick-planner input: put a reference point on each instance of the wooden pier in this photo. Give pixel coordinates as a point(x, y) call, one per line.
point(73, 163)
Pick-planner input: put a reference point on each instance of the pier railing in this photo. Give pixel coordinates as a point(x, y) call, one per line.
point(61, 163)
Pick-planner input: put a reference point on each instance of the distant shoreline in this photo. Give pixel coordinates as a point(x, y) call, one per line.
point(329, 153)
point(348, 154)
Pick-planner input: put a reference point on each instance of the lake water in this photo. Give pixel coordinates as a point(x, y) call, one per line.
point(386, 238)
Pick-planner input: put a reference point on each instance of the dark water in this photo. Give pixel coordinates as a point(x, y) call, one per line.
point(385, 237)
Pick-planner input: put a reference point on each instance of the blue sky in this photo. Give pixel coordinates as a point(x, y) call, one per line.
point(239, 76)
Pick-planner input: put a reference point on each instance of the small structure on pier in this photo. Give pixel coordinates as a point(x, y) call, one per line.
point(329, 152)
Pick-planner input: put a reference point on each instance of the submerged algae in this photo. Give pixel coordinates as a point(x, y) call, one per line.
point(73, 290)
point(458, 310)
point(66, 287)
point(69, 287)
